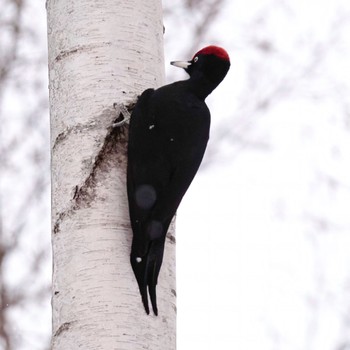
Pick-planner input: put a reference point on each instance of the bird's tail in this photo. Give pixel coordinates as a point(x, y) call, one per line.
point(146, 269)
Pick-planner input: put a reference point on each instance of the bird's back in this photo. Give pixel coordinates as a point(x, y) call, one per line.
point(169, 130)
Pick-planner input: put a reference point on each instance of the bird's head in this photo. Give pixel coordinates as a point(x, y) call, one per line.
point(211, 62)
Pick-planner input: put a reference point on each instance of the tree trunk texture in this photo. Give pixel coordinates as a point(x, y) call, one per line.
point(100, 53)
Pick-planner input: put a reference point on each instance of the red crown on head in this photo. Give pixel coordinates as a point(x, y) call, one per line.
point(214, 50)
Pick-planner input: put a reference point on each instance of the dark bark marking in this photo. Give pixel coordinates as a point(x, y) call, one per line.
point(171, 238)
point(113, 150)
point(63, 327)
point(66, 53)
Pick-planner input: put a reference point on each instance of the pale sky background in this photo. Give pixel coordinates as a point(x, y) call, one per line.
point(263, 234)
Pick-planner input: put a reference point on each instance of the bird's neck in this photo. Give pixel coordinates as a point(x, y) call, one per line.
point(201, 86)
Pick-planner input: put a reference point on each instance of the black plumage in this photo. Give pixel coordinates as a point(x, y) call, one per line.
point(168, 134)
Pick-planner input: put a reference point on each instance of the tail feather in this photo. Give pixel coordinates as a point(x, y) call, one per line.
point(152, 289)
point(146, 270)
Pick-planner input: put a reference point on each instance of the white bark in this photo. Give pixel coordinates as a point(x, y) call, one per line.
point(100, 52)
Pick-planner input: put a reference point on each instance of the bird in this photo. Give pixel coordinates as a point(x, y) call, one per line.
point(168, 134)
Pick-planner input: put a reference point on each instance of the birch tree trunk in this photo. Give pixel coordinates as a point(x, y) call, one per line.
point(100, 52)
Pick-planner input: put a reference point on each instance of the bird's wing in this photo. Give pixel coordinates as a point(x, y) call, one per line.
point(147, 172)
point(160, 170)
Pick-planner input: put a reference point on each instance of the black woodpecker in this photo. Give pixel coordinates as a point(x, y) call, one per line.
point(168, 134)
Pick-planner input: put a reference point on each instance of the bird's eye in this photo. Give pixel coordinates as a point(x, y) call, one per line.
point(195, 59)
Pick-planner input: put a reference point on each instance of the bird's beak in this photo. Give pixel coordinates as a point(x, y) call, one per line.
point(181, 64)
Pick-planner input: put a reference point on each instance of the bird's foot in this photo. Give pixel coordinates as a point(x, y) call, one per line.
point(123, 115)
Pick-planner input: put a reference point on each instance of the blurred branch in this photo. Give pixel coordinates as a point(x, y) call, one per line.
point(13, 28)
point(265, 88)
point(24, 160)
point(211, 11)
point(4, 335)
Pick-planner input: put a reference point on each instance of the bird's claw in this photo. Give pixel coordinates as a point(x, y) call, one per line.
point(123, 112)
